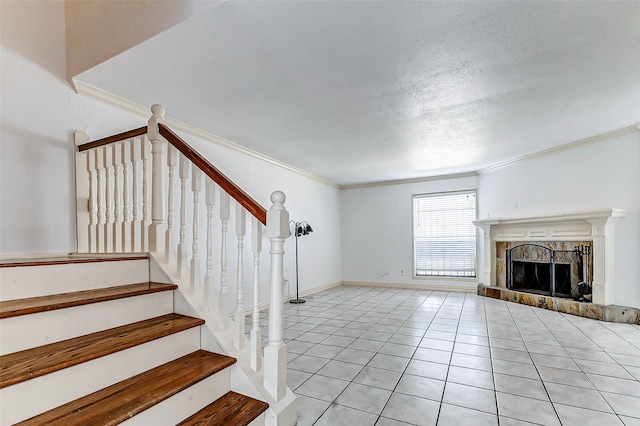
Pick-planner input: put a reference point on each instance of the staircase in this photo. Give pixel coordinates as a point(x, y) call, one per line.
point(91, 341)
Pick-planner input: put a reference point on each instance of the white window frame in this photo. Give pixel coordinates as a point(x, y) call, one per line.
point(475, 237)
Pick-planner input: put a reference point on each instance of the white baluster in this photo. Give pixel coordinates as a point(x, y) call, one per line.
point(256, 334)
point(223, 298)
point(275, 354)
point(210, 198)
point(145, 154)
point(172, 160)
point(158, 201)
point(185, 167)
point(241, 225)
point(108, 185)
point(136, 224)
point(93, 203)
point(126, 217)
point(83, 194)
point(116, 156)
point(194, 279)
point(100, 208)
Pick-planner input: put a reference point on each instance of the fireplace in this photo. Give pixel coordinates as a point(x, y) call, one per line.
point(562, 233)
point(558, 268)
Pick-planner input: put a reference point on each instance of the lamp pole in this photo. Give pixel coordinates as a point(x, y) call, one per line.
point(300, 228)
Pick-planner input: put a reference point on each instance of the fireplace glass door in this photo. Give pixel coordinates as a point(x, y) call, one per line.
point(537, 269)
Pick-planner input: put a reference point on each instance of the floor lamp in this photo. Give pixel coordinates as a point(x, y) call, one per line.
point(299, 229)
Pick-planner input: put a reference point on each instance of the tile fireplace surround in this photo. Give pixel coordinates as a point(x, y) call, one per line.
point(595, 225)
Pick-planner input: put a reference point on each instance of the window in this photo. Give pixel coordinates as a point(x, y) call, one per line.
point(444, 237)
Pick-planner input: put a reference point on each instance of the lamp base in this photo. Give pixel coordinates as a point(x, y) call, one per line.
point(297, 301)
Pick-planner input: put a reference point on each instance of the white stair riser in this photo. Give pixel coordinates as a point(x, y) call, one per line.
point(33, 281)
point(28, 331)
point(183, 404)
point(27, 399)
point(258, 421)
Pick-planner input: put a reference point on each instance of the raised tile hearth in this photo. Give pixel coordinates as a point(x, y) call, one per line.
point(610, 313)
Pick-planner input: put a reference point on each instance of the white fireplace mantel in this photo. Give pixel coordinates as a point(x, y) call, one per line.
point(592, 225)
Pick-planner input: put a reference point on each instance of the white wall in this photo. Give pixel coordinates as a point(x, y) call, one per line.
point(40, 111)
point(376, 221)
point(307, 200)
point(99, 30)
point(377, 233)
point(588, 178)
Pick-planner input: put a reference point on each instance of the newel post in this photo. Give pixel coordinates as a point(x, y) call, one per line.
point(275, 354)
point(158, 201)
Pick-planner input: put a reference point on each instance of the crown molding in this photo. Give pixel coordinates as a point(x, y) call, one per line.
point(544, 153)
point(566, 147)
point(408, 181)
point(109, 98)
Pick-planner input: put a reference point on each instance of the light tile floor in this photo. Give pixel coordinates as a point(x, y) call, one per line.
point(363, 356)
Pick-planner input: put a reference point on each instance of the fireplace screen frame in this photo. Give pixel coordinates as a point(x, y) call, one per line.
point(535, 268)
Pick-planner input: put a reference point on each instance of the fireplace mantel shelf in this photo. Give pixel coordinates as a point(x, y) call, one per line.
point(562, 217)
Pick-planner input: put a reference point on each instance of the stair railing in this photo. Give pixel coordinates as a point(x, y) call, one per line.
point(123, 205)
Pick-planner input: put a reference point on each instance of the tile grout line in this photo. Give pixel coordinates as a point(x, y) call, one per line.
point(403, 372)
point(335, 399)
point(516, 318)
point(410, 359)
point(533, 361)
point(493, 374)
point(446, 377)
point(581, 370)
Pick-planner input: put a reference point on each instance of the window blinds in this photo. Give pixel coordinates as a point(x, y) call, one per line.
point(444, 237)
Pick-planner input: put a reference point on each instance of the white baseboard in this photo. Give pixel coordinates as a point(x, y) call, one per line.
point(317, 289)
point(265, 305)
point(421, 286)
point(27, 256)
point(51, 256)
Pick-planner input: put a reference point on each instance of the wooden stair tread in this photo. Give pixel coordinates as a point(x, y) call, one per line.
point(30, 363)
point(63, 260)
point(119, 402)
point(31, 305)
point(230, 409)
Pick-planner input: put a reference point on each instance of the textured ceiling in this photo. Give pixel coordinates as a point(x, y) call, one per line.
point(361, 92)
